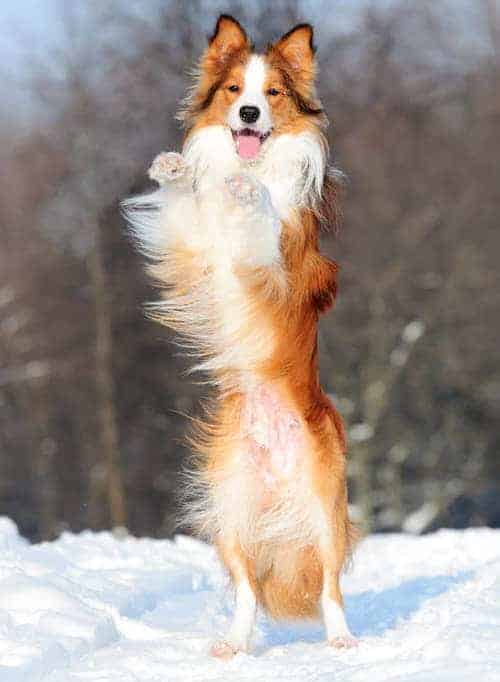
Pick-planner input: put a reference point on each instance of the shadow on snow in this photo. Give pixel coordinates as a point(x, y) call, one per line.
point(370, 613)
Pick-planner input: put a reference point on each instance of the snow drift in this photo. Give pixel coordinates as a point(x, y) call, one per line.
point(94, 608)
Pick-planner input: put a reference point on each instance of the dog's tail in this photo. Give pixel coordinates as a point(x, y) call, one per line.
point(291, 586)
point(289, 579)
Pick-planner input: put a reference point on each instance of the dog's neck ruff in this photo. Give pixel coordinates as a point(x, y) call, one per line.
point(292, 167)
point(199, 241)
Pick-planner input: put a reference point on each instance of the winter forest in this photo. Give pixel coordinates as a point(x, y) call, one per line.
point(95, 398)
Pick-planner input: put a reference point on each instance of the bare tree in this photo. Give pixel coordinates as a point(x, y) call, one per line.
point(92, 395)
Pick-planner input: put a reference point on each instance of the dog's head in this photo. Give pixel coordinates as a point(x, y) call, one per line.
point(257, 97)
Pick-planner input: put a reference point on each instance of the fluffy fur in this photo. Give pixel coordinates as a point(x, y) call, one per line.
point(233, 243)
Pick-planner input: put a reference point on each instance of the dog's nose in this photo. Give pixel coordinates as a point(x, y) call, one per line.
point(249, 114)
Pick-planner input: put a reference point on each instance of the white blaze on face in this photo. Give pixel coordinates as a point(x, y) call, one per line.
point(249, 136)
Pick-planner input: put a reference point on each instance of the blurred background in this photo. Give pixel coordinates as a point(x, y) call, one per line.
point(94, 397)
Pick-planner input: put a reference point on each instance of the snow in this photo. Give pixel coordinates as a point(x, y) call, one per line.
point(413, 331)
point(421, 518)
point(358, 433)
point(96, 608)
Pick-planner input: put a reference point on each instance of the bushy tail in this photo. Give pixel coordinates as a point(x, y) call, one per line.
point(292, 586)
point(292, 580)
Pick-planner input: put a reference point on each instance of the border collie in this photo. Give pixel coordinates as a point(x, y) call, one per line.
point(232, 239)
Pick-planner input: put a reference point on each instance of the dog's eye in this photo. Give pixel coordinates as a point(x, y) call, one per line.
point(273, 92)
point(234, 88)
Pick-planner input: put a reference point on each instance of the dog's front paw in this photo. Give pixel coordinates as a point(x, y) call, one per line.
point(166, 167)
point(247, 190)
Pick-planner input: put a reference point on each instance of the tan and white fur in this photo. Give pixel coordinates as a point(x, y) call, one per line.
point(232, 238)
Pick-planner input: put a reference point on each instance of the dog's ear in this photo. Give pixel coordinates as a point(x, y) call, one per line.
point(297, 49)
point(228, 38)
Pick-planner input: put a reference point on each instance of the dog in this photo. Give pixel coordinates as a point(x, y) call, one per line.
point(231, 237)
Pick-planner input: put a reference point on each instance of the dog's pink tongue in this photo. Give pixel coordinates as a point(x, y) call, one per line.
point(248, 146)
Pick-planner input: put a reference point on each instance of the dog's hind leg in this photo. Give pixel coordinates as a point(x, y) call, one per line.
point(333, 546)
point(239, 635)
point(337, 630)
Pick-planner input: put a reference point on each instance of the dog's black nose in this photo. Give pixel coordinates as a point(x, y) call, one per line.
point(249, 114)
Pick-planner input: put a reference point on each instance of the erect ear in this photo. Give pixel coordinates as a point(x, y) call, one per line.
point(228, 38)
point(297, 48)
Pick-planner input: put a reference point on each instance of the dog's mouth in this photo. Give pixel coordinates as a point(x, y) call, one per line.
point(248, 142)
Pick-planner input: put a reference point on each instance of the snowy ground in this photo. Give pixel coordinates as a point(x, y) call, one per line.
point(91, 608)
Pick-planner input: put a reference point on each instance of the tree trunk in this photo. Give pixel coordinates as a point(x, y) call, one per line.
point(109, 437)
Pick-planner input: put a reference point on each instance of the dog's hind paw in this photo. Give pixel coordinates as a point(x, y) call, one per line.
point(343, 642)
point(247, 190)
point(166, 167)
point(223, 650)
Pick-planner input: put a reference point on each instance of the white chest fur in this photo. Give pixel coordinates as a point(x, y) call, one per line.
point(292, 167)
point(227, 213)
